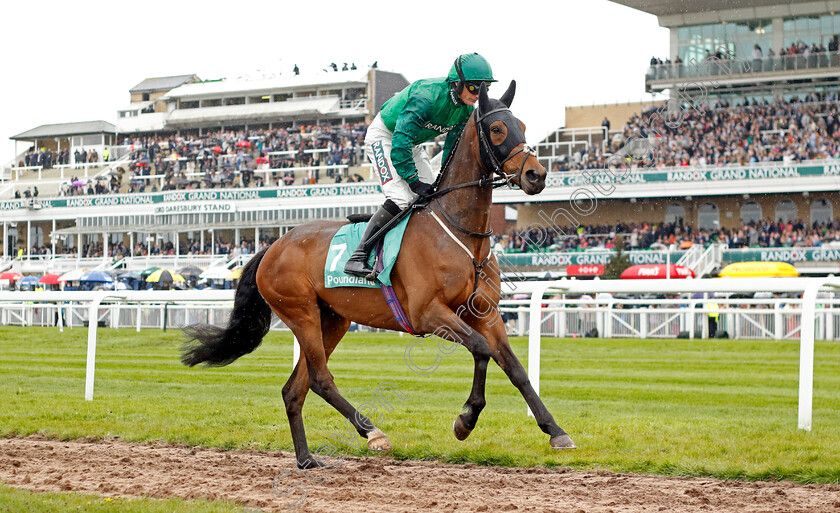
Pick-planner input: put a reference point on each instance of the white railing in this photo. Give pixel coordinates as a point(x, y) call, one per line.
point(608, 317)
point(809, 288)
point(661, 316)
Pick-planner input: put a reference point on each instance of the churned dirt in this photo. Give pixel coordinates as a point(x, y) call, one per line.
point(255, 479)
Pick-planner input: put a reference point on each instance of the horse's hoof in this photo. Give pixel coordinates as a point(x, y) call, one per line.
point(460, 429)
point(377, 441)
point(562, 442)
point(309, 463)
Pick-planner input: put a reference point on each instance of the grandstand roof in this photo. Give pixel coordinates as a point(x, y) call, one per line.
point(669, 7)
point(228, 87)
point(162, 83)
point(66, 129)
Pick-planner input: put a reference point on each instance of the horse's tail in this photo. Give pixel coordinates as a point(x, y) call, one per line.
point(249, 321)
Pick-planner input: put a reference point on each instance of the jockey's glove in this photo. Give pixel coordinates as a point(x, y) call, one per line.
point(421, 189)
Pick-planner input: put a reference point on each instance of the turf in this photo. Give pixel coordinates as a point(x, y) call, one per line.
point(21, 501)
point(721, 408)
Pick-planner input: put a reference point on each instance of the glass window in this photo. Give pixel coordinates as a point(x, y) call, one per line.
point(674, 213)
point(708, 217)
point(821, 211)
point(785, 210)
point(750, 211)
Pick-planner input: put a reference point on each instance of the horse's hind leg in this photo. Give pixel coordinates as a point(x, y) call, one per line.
point(305, 322)
point(333, 329)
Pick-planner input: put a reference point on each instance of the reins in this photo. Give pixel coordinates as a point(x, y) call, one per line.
point(501, 179)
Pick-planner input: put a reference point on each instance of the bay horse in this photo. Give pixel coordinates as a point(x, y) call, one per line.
point(437, 284)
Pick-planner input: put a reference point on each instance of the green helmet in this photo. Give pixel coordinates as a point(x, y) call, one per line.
point(470, 67)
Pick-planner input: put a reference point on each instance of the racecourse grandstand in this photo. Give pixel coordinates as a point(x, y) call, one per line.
point(738, 151)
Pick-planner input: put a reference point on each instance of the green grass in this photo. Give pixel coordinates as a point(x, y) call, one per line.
point(721, 408)
point(13, 500)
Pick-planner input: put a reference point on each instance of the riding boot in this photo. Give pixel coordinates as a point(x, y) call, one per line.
point(357, 264)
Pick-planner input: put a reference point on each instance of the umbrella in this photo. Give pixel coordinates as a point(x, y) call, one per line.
point(50, 279)
point(190, 271)
point(29, 280)
point(73, 275)
point(243, 144)
point(754, 269)
point(686, 244)
point(262, 160)
point(164, 276)
point(215, 273)
point(235, 274)
point(217, 149)
point(97, 276)
point(142, 164)
point(147, 272)
point(78, 183)
point(11, 276)
point(656, 271)
point(131, 275)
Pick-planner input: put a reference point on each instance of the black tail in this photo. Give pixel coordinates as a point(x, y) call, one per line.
point(249, 321)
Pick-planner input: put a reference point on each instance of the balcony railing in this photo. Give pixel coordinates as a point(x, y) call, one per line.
point(722, 67)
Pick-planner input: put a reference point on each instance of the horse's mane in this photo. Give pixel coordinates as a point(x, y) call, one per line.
point(444, 167)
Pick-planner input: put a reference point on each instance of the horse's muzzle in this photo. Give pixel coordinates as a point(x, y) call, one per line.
point(534, 181)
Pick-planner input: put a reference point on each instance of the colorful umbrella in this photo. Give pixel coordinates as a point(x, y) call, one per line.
point(73, 275)
point(149, 271)
point(656, 272)
point(243, 144)
point(50, 279)
point(29, 280)
point(757, 269)
point(97, 276)
point(164, 276)
point(11, 276)
point(190, 271)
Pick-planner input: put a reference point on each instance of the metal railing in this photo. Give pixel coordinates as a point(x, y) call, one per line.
point(718, 67)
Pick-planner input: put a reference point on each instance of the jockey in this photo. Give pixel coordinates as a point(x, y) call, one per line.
point(417, 114)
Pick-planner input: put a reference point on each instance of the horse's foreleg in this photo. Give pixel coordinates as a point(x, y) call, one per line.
point(503, 355)
point(450, 327)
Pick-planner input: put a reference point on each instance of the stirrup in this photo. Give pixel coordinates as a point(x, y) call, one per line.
point(361, 273)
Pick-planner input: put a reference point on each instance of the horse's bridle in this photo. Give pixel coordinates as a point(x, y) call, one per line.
point(498, 155)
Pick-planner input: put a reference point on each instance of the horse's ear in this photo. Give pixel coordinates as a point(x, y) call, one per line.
point(507, 98)
point(483, 99)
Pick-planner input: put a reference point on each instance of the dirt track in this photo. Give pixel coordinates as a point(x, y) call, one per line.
point(115, 468)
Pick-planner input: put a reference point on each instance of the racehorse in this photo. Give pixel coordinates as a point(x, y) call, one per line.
point(440, 278)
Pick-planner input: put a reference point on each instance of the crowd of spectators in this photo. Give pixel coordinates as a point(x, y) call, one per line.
point(783, 130)
point(47, 159)
point(236, 158)
point(761, 234)
point(246, 246)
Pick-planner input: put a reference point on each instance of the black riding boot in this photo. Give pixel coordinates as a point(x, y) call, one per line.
point(357, 264)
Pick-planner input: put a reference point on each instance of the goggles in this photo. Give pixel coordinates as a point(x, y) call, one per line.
point(474, 86)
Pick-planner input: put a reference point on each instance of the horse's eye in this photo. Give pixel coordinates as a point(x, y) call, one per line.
point(496, 129)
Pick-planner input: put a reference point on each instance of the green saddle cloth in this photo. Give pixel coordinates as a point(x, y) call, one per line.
point(344, 244)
